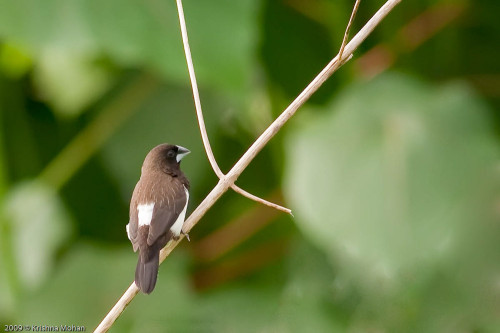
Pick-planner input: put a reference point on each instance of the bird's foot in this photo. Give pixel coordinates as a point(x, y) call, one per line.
point(185, 234)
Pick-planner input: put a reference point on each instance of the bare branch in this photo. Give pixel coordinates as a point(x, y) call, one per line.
point(346, 34)
point(225, 182)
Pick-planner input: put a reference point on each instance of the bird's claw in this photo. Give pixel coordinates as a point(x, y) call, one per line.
point(186, 234)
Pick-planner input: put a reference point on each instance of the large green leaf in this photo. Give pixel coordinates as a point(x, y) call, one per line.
point(134, 34)
point(393, 183)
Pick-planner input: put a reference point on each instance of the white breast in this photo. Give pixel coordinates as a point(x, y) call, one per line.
point(145, 213)
point(177, 226)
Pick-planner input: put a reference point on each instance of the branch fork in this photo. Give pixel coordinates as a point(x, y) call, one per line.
point(226, 181)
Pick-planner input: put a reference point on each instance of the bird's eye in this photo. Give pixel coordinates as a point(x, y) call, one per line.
point(171, 154)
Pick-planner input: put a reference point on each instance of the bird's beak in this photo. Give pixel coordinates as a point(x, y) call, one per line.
point(181, 152)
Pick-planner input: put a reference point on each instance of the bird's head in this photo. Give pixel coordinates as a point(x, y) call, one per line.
point(164, 157)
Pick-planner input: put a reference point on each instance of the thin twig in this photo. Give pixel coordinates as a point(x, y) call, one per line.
point(262, 201)
point(348, 28)
point(255, 198)
point(225, 183)
point(196, 95)
point(201, 121)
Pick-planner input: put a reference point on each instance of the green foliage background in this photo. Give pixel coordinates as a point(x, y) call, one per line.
point(391, 169)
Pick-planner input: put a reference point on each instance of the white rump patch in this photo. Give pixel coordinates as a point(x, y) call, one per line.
point(177, 226)
point(128, 233)
point(145, 213)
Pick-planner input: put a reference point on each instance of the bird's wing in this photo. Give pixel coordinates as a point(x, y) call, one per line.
point(166, 212)
point(133, 223)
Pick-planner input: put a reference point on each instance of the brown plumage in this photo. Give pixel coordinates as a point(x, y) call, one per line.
point(157, 210)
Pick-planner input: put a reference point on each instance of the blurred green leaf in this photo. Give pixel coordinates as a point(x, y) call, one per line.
point(389, 184)
point(40, 225)
point(69, 81)
point(38, 24)
point(143, 33)
point(147, 33)
point(65, 39)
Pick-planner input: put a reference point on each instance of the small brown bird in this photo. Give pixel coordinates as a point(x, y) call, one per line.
point(157, 210)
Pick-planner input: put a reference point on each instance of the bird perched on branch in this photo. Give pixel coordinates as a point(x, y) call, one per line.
point(157, 210)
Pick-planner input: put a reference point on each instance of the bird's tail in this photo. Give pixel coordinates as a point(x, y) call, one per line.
point(146, 271)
